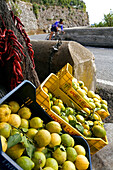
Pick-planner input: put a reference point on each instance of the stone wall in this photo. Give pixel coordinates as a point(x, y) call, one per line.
point(88, 36)
point(47, 15)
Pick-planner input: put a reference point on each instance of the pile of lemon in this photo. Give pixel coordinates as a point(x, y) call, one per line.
point(87, 121)
point(35, 145)
point(90, 97)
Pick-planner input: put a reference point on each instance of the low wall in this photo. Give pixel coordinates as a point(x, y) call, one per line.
point(99, 36)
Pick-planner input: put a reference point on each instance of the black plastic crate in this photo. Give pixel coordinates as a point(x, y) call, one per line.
point(25, 94)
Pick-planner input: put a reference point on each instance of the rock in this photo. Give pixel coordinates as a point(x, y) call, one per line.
point(80, 58)
point(103, 159)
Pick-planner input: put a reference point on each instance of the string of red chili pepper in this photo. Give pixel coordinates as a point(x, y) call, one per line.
point(20, 26)
point(11, 48)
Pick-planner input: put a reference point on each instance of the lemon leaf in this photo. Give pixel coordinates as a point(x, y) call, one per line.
point(14, 139)
point(30, 150)
point(79, 127)
point(24, 141)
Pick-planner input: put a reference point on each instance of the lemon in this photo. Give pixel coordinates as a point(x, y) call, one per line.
point(39, 159)
point(66, 140)
point(104, 102)
point(55, 140)
point(25, 113)
point(5, 129)
point(85, 88)
point(87, 133)
point(56, 109)
point(4, 113)
point(73, 142)
point(36, 123)
point(87, 110)
point(25, 162)
point(71, 154)
point(60, 155)
point(97, 104)
point(42, 137)
point(24, 123)
point(68, 165)
point(70, 117)
point(48, 168)
point(80, 118)
point(53, 127)
point(31, 133)
point(80, 150)
point(101, 112)
point(4, 143)
point(104, 106)
point(50, 95)
point(65, 118)
point(14, 120)
point(95, 116)
point(81, 92)
point(92, 104)
point(86, 126)
point(99, 131)
point(14, 106)
point(40, 149)
point(69, 111)
point(91, 94)
point(51, 162)
point(81, 162)
point(15, 151)
point(45, 89)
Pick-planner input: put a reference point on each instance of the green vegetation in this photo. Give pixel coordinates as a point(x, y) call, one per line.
point(107, 21)
point(78, 4)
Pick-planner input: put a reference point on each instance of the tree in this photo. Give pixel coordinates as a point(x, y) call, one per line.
point(107, 21)
point(16, 54)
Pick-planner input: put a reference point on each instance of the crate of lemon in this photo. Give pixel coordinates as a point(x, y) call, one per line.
point(79, 92)
point(74, 120)
point(31, 139)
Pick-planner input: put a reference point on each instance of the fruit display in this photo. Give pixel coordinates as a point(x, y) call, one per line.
point(74, 119)
point(34, 144)
point(77, 90)
point(88, 122)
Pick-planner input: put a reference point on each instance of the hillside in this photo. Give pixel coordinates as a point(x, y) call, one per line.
point(40, 17)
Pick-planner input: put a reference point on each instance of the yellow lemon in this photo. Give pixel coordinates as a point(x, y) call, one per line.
point(24, 113)
point(55, 140)
point(81, 162)
point(5, 129)
point(4, 143)
point(14, 106)
point(31, 133)
point(80, 150)
point(42, 137)
point(4, 113)
point(15, 151)
point(53, 127)
point(14, 120)
point(36, 122)
point(45, 89)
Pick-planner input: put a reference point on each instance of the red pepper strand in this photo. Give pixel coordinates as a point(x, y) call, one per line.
point(26, 38)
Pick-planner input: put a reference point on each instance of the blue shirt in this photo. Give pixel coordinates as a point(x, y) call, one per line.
point(57, 24)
